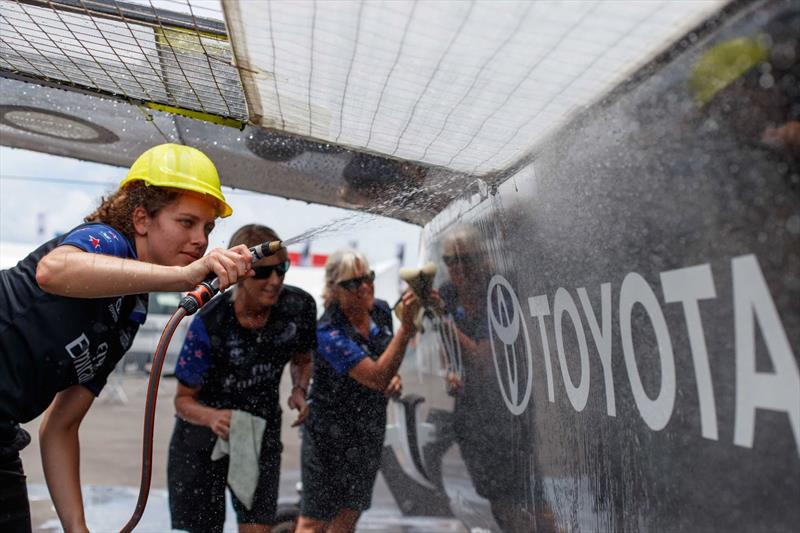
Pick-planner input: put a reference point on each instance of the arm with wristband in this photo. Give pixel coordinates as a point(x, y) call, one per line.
point(300, 369)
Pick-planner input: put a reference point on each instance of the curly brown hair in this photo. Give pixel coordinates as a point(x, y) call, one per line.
point(117, 210)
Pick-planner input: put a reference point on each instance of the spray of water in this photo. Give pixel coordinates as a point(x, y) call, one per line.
point(394, 203)
point(339, 225)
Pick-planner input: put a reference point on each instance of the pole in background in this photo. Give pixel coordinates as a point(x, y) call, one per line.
point(305, 255)
point(41, 226)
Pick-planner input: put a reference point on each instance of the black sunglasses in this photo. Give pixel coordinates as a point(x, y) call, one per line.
point(453, 260)
point(263, 272)
point(353, 284)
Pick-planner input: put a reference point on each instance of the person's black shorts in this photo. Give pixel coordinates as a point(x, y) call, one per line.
point(196, 484)
point(337, 475)
point(15, 512)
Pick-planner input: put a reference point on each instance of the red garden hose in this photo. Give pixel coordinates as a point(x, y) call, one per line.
point(150, 415)
point(189, 305)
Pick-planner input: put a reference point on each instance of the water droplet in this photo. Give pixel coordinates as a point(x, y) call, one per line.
point(793, 224)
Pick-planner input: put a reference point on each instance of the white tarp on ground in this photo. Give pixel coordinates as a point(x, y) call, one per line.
point(471, 86)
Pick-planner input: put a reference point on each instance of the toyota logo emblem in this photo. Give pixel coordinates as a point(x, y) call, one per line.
point(505, 323)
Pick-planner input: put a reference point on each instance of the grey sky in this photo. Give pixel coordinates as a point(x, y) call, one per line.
point(33, 183)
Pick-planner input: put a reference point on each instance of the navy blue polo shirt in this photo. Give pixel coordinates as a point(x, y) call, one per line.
point(341, 407)
point(48, 342)
point(239, 368)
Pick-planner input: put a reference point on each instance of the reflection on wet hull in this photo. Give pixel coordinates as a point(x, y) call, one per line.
point(626, 307)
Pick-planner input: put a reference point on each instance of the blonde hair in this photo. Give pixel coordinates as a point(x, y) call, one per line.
point(341, 264)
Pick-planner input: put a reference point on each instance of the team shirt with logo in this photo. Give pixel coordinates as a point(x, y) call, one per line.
point(343, 435)
point(240, 368)
point(340, 403)
point(50, 342)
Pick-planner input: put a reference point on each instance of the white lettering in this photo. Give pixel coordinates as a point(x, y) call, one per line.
point(83, 368)
point(78, 350)
point(688, 286)
point(775, 388)
point(602, 338)
point(100, 358)
point(778, 391)
point(78, 347)
point(114, 309)
point(565, 304)
point(656, 413)
point(540, 309)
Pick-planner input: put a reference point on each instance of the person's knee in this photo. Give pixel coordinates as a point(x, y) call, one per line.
point(307, 525)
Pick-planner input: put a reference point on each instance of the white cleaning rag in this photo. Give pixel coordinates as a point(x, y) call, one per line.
point(244, 448)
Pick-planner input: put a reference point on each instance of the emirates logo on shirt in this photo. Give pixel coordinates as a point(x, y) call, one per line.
point(114, 309)
point(85, 365)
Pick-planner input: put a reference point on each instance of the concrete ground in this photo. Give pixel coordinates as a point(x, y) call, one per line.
point(111, 443)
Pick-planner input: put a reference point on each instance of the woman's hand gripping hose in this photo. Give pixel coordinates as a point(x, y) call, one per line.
point(189, 305)
point(209, 287)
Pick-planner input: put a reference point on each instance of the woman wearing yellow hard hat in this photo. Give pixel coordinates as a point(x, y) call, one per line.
point(70, 310)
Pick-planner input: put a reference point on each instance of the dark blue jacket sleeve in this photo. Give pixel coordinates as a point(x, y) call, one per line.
point(99, 239)
point(338, 349)
point(195, 356)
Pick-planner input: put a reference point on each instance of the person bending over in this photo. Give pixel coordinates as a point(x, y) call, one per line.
point(70, 310)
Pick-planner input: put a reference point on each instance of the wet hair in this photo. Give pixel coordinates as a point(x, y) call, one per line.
point(250, 235)
point(463, 246)
point(117, 210)
point(463, 239)
point(253, 234)
point(341, 265)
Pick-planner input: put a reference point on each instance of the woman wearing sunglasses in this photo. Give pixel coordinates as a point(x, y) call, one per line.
point(355, 371)
point(230, 367)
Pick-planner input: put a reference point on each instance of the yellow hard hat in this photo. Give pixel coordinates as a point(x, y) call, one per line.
point(723, 64)
point(179, 167)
